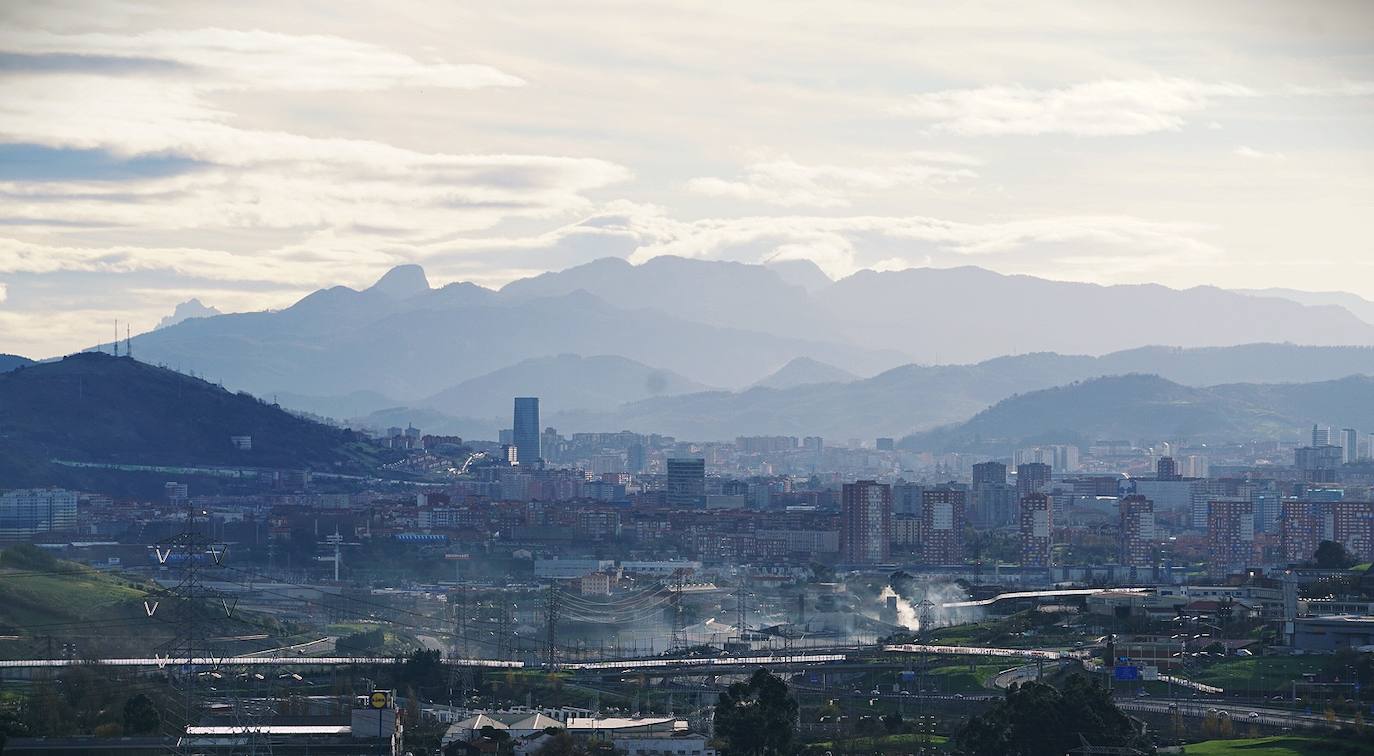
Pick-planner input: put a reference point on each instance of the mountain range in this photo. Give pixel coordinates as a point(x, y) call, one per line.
point(403, 339)
point(714, 323)
point(908, 398)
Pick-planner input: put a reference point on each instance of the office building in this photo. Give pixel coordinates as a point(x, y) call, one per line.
point(1350, 445)
point(1321, 436)
point(1032, 477)
point(942, 525)
point(525, 429)
point(1137, 531)
point(1318, 464)
point(865, 523)
point(1166, 469)
point(177, 493)
point(1352, 526)
point(989, 474)
point(1230, 535)
point(636, 458)
point(885, 444)
point(1301, 528)
point(28, 512)
point(686, 482)
point(1037, 529)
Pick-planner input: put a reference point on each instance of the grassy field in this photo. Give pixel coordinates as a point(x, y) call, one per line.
point(1282, 746)
point(68, 603)
point(902, 743)
point(959, 678)
point(47, 604)
point(1261, 673)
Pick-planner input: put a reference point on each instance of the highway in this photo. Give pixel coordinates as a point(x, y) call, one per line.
point(1238, 714)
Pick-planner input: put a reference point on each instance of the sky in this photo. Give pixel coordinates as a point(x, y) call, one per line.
point(248, 153)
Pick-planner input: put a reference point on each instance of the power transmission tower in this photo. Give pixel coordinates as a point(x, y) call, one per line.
point(742, 610)
point(189, 651)
point(503, 638)
point(679, 638)
point(460, 652)
point(551, 612)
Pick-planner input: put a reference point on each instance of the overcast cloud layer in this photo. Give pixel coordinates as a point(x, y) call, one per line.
point(154, 152)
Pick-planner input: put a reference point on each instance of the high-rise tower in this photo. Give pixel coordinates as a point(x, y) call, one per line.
point(525, 429)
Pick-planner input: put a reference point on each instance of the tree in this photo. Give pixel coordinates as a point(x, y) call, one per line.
point(141, 716)
point(1331, 555)
point(758, 717)
point(423, 670)
point(1039, 720)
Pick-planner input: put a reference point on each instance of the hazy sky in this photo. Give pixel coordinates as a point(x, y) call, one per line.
point(246, 153)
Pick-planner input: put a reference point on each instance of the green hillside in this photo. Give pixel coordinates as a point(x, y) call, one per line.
point(46, 603)
point(94, 408)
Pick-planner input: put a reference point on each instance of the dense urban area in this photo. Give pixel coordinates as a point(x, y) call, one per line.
point(543, 593)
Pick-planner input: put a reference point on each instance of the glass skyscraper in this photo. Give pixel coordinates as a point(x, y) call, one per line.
point(526, 429)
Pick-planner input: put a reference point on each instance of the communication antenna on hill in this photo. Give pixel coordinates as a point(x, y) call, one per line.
point(128, 341)
point(115, 344)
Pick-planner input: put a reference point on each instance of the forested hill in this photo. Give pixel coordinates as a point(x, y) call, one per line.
point(93, 407)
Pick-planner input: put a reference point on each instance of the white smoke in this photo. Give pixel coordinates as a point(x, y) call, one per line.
point(937, 592)
point(906, 613)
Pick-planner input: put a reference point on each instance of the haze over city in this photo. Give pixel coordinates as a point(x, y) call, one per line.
point(686, 379)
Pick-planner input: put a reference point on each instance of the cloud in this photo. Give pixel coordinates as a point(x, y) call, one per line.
point(1250, 152)
point(1343, 88)
point(788, 183)
point(102, 142)
point(4, 292)
point(1100, 108)
point(228, 59)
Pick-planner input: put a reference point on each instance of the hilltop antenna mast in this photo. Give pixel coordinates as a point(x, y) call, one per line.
point(128, 341)
point(115, 344)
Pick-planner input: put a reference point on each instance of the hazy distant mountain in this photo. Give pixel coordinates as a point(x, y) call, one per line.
point(191, 308)
point(964, 314)
point(802, 371)
point(565, 382)
point(1150, 408)
point(340, 407)
point(9, 362)
point(803, 273)
point(1358, 306)
point(402, 339)
point(432, 421)
point(93, 407)
point(721, 293)
point(716, 323)
point(919, 397)
point(950, 315)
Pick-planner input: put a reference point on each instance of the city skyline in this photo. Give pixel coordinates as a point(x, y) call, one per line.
point(155, 153)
